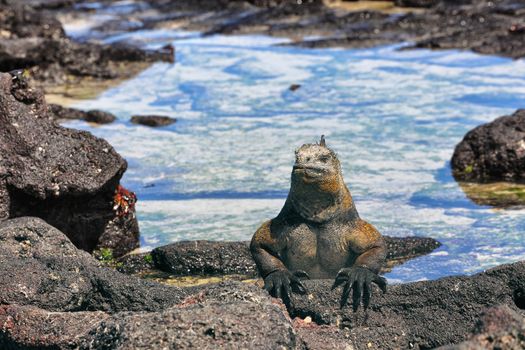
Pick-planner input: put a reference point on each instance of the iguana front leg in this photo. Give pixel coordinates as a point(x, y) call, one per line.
point(278, 280)
point(366, 241)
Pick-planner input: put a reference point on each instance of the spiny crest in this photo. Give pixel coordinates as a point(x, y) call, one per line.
point(322, 143)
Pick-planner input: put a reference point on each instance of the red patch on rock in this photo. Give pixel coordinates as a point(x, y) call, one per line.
point(124, 202)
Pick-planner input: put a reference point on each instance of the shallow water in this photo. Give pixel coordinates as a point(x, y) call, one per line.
point(392, 116)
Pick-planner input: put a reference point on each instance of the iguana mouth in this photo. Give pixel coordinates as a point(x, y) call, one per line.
point(311, 171)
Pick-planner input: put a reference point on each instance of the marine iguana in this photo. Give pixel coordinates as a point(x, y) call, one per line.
point(319, 234)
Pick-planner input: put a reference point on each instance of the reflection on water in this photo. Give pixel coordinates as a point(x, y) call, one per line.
point(499, 194)
point(393, 117)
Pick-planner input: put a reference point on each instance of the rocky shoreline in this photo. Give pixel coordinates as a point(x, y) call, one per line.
point(55, 295)
point(61, 203)
point(487, 27)
point(34, 39)
point(34, 42)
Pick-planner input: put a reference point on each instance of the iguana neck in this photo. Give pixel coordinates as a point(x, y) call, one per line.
point(321, 202)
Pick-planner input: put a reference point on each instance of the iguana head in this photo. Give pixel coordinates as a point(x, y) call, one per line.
point(316, 164)
point(318, 191)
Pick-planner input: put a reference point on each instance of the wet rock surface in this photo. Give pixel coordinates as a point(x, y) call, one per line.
point(35, 40)
point(488, 27)
point(404, 248)
point(495, 194)
point(99, 117)
point(152, 120)
point(492, 152)
point(420, 315)
point(226, 258)
point(64, 176)
point(60, 113)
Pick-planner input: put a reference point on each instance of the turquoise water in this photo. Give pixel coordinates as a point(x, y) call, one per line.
point(393, 117)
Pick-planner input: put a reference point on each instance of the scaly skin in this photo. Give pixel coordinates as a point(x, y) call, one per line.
point(319, 234)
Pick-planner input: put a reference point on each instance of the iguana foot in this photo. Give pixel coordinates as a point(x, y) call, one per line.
point(281, 283)
point(359, 279)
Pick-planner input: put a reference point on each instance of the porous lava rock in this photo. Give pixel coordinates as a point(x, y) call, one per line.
point(499, 327)
point(493, 151)
point(64, 176)
point(419, 315)
point(152, 120)
point(39, 266)
point(53, 295)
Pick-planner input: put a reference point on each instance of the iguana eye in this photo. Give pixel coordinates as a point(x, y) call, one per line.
point(324, 159)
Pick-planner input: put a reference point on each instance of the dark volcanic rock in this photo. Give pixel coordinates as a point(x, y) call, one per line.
point(152, 120)
point(135, 263)
point(499, 328)
point(41, 271)
point(316, 337)
point(53, 295)
point(205, 257)
point(67, 177)
point(58, 112)
point(233, 315)
point(416, 3)
point(294, 87)
point(229, 315)
point(18, 21)
point(492, 152)
point(99, 117)
point(400, 249)
point(420, 315)
point(28, 327)
point(224, 258)
point(39, 266)
point(34, 40)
